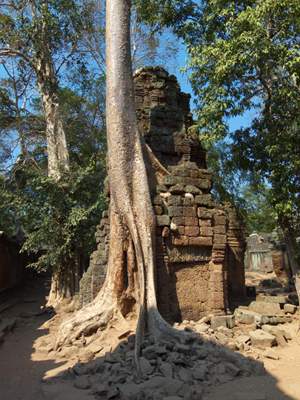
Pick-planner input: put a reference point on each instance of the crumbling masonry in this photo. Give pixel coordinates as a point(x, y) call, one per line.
point(200, 244)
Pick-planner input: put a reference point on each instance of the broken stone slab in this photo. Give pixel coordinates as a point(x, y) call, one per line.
point(226, 331)
point(151, 352)
point(146, 367)
point(231, 345)
point(82, 382)
point(205, 319)
point(185, 375)
point(230, 321)
point(290, 308)
point(200, 371)
point(264, 308)
point(201, 328)
point(277, 332)
point(245, 316)
point(166, 369)
point(227, 321)
point(218, 321)
point(248, 317)
point(279, 319)
point(262, 339)
point(221, 338)
point(272, 299)
point(241, 341)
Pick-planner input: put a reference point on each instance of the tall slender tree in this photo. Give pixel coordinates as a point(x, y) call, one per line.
point(44, 34)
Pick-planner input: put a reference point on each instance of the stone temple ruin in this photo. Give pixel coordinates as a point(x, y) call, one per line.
point(200, 243)
point(267, 253)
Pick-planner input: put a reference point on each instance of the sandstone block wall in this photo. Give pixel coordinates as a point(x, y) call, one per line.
point(199, 242)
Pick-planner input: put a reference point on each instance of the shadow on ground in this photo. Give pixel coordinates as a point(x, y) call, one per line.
point(191, 371)
point(197, 370)
point(20, 376)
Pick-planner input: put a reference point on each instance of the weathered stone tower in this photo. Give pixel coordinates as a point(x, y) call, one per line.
point(200, 244)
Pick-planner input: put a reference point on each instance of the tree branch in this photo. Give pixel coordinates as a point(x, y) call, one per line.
point(16, 53)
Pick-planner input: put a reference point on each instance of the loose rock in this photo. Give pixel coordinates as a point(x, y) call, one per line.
point(260, 338)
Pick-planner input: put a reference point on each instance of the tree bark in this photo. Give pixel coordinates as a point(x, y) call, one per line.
point(62, 282)
point(293, 255)
point(58, 164)
point(129, 286)
point(58, 155)
point(293, 250)
point(62, 287)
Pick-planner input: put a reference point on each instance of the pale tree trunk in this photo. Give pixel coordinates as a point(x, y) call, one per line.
point(58, 164)
point(58, 155)
point(293, 251)
point(293, 255)
point(62, 287)
point(129, 286)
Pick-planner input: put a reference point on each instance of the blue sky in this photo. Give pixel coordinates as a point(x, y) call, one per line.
point(175, 68)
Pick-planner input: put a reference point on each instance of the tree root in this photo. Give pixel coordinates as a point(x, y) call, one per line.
point(162, 331)
point(86, 322)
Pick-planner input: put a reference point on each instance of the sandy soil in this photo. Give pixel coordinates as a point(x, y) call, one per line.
point(24, 365)
point(282, 381)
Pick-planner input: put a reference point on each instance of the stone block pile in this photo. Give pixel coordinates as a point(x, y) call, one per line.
point(171, 371)
point(264, 324)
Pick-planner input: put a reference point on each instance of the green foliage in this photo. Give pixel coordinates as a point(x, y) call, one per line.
point(32, 25)
point(245, 56)
point(259, 215)
point(58, 219)
point(167, 13)
point(7, 215)
point(252, 199)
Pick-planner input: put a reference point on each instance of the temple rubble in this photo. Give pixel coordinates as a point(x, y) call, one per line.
point(200, 244)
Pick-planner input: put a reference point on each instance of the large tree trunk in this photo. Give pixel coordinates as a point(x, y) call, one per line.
point(58, 155)
point(130, 282)
point(58, 164)
point(292, 250)
point(62, 286)
point(62, 282)
point(293, 255)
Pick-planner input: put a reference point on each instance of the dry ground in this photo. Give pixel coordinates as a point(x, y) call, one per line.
point(25, 362)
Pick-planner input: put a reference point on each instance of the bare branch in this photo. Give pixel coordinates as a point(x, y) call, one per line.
point(16, 53)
